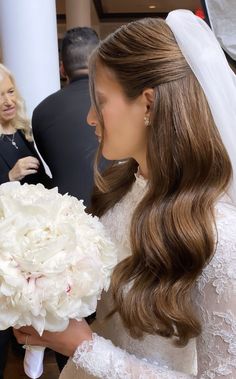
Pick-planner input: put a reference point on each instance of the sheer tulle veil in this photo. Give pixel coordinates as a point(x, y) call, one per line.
point(207, 60)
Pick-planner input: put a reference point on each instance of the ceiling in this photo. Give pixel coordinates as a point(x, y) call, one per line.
point(108, 15)
point(109, 10)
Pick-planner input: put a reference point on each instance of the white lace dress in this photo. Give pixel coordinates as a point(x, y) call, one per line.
point(113, 354)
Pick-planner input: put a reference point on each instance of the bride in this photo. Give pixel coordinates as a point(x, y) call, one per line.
point(164, 103)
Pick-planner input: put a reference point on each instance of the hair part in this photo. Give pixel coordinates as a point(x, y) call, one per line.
point(21, 121)
point(77, 45)
point(173, 227)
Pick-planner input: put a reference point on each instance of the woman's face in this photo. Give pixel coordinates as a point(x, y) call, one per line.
point(7, 100)
point(124, 135)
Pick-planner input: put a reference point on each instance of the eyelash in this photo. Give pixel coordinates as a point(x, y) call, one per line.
point(101, 104)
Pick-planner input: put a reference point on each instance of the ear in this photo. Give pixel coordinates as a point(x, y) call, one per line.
point(62, 71)
point(148, 98)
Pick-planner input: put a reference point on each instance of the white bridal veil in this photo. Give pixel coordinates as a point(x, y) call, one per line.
point(207, 60)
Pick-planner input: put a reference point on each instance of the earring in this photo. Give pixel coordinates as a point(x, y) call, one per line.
point(146, 121)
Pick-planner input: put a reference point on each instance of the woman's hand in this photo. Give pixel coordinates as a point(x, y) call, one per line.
point(64, 342)
point(24, 166)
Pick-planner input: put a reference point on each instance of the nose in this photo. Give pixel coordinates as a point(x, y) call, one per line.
point(7, 100)
point(92, 117)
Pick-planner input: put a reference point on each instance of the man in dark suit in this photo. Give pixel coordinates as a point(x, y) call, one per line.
point(64, 140)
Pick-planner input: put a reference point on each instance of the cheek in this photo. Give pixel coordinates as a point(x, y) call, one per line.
point(116, 128)
point(13, 100)
point(2, 114)
point(112, 123)
point(124, 132)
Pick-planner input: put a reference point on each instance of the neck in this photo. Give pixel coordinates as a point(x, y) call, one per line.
point(78, 73)
point(143, 170)
point(7, 128)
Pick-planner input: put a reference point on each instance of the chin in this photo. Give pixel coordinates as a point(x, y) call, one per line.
point(111, 157)
point(107, 155)
point(8, 119)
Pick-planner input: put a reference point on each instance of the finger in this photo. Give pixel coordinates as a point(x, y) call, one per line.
point(27, 330)
point(17, 332)
point(29, 162)
point(19, 335)
point(29, 158)
point(31, 338)
point(26, 339)
point(31, 165)
point(36, 160)
point(29, 172)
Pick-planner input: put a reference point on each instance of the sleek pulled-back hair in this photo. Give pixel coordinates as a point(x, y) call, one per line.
point(173, 227)
point(77, 45)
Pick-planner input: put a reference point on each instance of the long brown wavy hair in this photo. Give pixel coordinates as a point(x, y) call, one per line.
point(173, 228)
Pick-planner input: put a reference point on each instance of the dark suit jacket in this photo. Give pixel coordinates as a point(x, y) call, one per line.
point(65, 141)
point(6, 165)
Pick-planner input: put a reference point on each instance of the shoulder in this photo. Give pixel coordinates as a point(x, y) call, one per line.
point(48, 109)
point(48, 101)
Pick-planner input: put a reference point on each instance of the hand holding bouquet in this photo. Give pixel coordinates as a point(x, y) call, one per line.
point(55, 260)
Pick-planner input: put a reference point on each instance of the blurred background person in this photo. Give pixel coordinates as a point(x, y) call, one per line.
point(65, 141)
point(221, 17)
point(18, 157)
point(18, 161)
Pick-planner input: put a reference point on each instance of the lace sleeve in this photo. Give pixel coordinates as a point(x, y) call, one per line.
point(216, 303)
point(216, 346)
point(101, 358)
point(216, 351)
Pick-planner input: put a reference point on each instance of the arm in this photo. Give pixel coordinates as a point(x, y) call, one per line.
point(99, 357)
point(23, 167)
point(215, 347)
point(216, 350)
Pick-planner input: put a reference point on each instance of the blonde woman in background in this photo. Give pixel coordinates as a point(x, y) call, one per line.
point(18, 157)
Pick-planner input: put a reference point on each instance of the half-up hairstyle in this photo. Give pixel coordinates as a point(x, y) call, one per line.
point(173, 232)
point(21, 121)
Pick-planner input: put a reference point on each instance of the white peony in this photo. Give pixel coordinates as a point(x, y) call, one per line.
point(55, 259)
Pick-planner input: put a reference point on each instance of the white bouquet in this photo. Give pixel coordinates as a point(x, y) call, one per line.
point(55, 260)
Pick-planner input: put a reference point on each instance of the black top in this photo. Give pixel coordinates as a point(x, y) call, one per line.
point(65, 140)
point(14, 147)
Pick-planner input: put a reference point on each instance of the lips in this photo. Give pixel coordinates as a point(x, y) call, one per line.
point(9, 111)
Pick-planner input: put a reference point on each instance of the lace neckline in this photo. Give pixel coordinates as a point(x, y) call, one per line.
point(140, 180)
